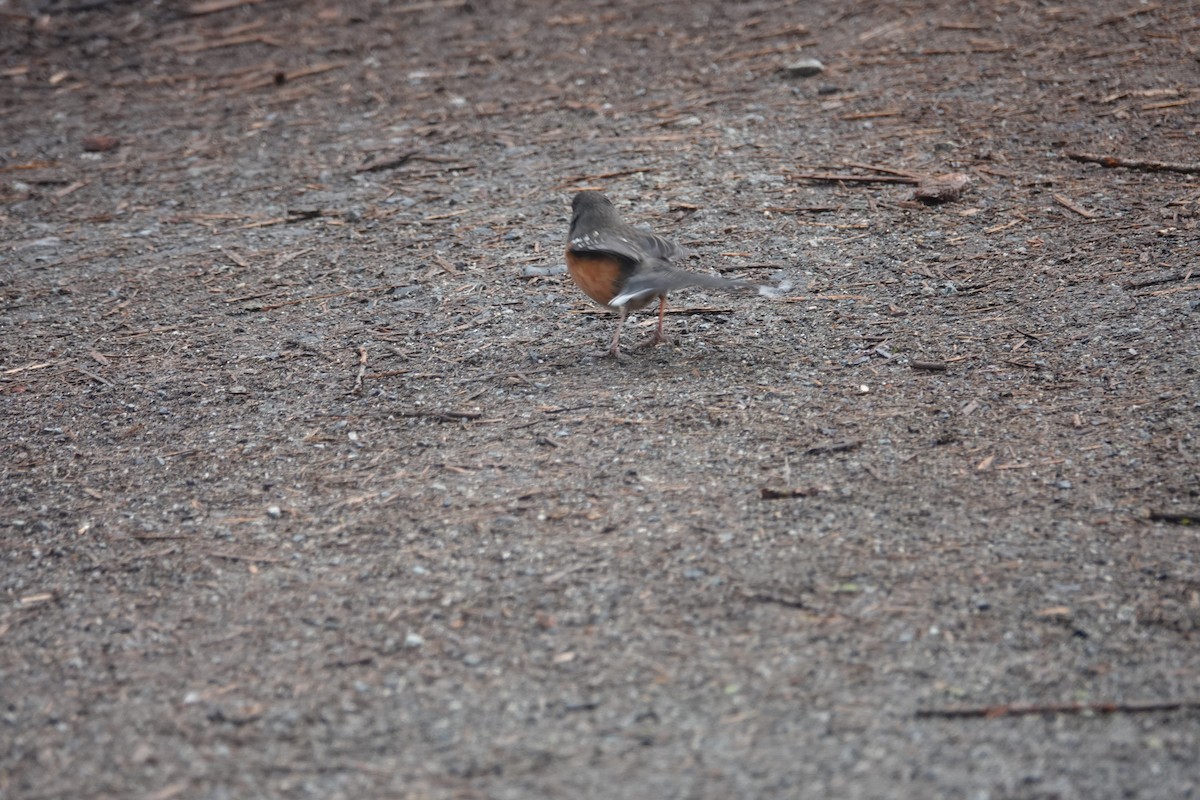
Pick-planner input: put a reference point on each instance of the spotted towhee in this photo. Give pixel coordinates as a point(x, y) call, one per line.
point(625, 267)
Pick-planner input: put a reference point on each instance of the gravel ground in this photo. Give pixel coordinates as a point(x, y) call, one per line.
point(309, 486)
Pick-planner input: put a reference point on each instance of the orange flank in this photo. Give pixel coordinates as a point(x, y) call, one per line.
point(597, 276)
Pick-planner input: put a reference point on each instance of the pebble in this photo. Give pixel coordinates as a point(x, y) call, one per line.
point(414, 640)
point(804, 68)
point(274, 512)
point(530, 271)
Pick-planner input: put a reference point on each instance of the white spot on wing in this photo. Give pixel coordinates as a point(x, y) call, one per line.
point(584, 242)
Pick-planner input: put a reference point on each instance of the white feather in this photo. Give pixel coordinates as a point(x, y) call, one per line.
point(775, 292)
point(622, 299)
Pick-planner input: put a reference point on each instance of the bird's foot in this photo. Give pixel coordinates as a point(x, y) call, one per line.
point(655, 340)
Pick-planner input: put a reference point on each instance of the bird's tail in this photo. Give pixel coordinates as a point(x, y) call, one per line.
point(657, 277)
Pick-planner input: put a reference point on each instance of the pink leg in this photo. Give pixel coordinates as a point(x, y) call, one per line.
point(662, 309)
point(658, 337)
point(614, 350)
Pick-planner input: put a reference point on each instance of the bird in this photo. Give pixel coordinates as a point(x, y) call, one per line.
point(624, 267)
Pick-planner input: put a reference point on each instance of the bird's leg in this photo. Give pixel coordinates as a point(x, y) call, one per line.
point(614, 349)
point(662, 309)
point(658, 337)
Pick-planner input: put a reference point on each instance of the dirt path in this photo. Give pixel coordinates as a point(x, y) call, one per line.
point(309, 488)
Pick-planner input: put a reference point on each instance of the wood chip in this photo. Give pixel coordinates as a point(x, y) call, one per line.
point(100, 143)
point(1052, 612)
point(213, 6)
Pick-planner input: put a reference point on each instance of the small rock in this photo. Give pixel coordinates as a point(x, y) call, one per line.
point(804, 68)
point(100, 144)
point(530, 271)
point(414, 640)
point(934, 189)
point(274, 512)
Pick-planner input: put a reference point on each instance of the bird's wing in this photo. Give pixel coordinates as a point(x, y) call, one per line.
point(656, 277)
point(657, 247)
point(631, 244)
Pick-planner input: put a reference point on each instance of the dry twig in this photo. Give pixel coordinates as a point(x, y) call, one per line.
point(1070, 204)
point(1175, 517)
point(441, 416)
point(769, 493)
point(213, 6)
point(246, 557)
point(1154, 280)
point(362, 369)
point(840, 177)
point(1015, 710)
point(1136, 163)
point(833, 447)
